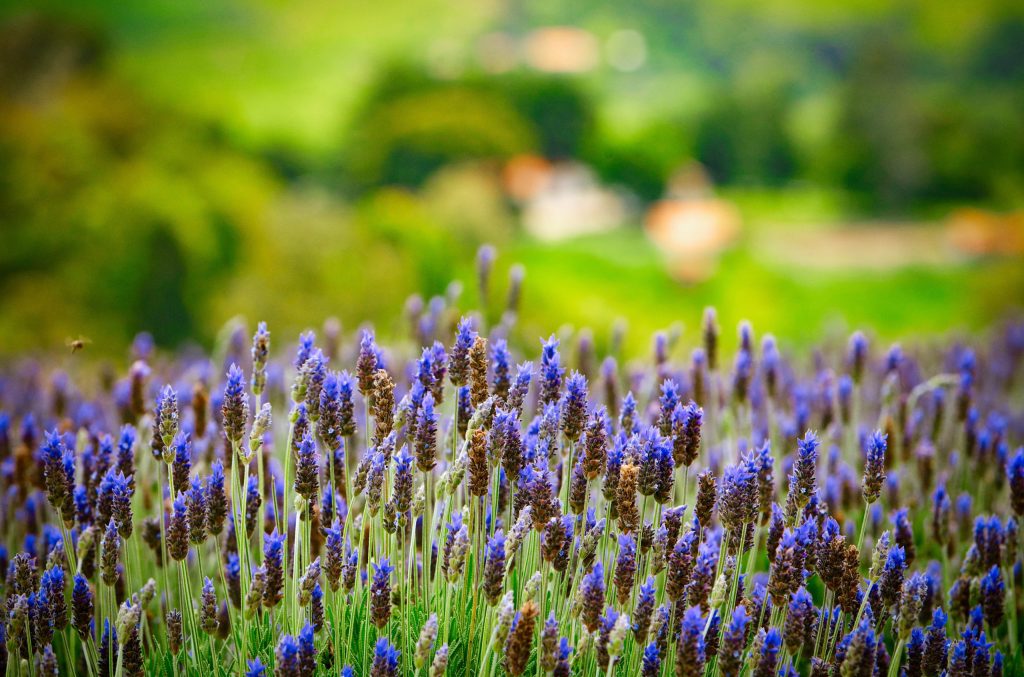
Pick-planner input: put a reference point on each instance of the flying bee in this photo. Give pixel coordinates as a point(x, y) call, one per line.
point(77, 344)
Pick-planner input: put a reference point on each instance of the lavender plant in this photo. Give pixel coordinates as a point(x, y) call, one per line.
point(426, 507)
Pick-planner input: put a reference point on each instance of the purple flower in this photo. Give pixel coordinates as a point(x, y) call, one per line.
point(802, 479)
point(59, 484)
point(903, 532)
point(941, 515)
point(500, 364)
point(874, 467)
point(235, 409)
point(1015, 476)
point(347, 421)
point(627, 415)
point(307, 343)
point(734, 642)
point(787, 568)
point(334, 556)
point(915, 653)
point(625, 568)
point(115, 492)
point(993, 597)
point(81, 606)
point(767, 659)
point(458, 371)
point(484, 264)
point(686, 433)
point(273, 560)
point(307, 650)
point(770, 360)
point(667, 403)
point(893, 358)
point(857, 355)
point(177, 531)
point(181, 463)
point(494, 567)
point(253, 500)
point(911, 602)
point(891, 580)
point(551, 371)
point(574, 406)
point(690, 651)
point(350, 568)
point(380, 594)
point(208, 608)
point(126, 453)
point(233, 578)
point(385, 659)
point(255, 668)
point(166, 414)
point(426, 435)
point(216, 499)
point(307, 467)
point(311, 377)
point(592, 597)
point(644, 611)
point(260, 353)
point(52, 590)
point(800, 622)
point(680, 566)
point(330, 426)
point(742, 371)
point(520, 387)
point(737, 496)
point(195, 504)
point(402, 493)
point(287, 658)
point(367, 363)
point(108, 642)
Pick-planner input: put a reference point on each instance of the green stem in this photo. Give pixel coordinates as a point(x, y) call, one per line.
point(292, 597)
point(863, 527)
point(897, 654)
point(31, 653)
point(428, 549)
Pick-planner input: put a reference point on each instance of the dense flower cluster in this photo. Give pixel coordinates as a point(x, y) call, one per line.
point(432, 507)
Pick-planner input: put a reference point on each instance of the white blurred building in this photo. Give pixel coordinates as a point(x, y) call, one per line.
point(562, 200)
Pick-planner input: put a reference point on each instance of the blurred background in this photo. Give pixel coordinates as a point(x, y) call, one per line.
point(811, 166)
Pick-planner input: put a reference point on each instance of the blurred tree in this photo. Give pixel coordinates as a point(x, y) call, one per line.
point(641, 162)
point(561, 113)
point(882, 126)
point(159, 303)
point(124, 215)
point(412, 125)
point(974, 151)
point(999, 52)
point(742, 138)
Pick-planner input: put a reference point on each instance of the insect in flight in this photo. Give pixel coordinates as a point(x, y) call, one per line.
point(77, 344)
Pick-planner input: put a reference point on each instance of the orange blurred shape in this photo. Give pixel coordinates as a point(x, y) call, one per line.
point(692, 232)
point(978, 232)
point(562, 49)
point(525, 176)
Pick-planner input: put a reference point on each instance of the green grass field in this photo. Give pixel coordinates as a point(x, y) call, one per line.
point(582, 282)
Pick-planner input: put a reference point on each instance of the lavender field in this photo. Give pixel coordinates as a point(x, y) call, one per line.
point(446, 503)
point(434, 338)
